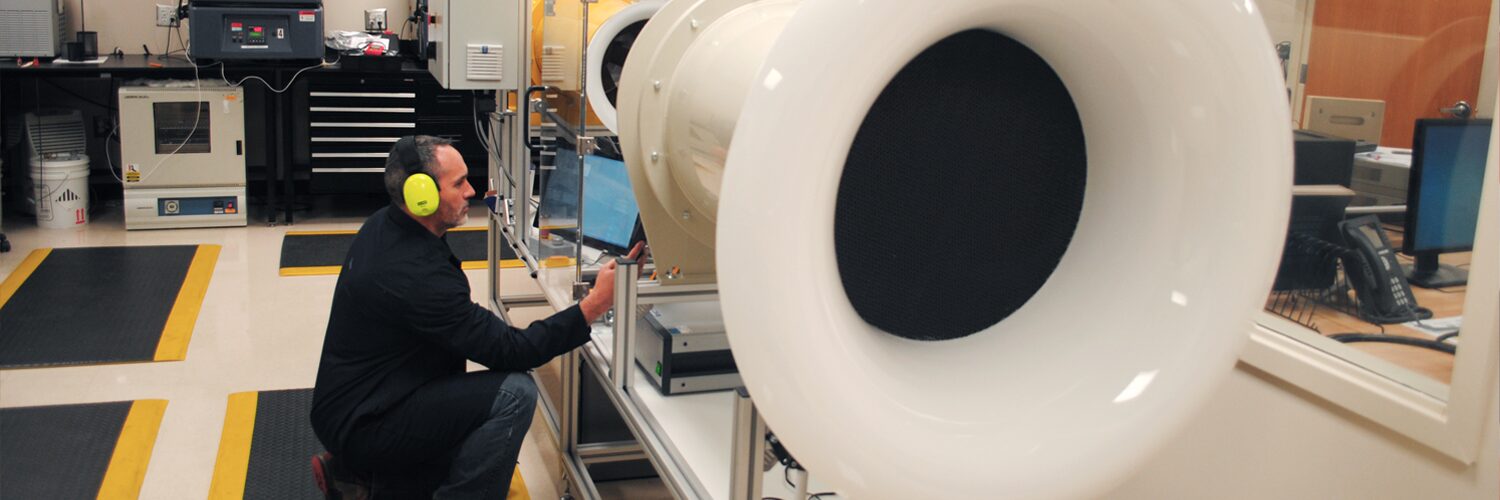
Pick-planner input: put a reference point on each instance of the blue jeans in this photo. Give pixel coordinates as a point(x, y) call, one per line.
point(455, 437)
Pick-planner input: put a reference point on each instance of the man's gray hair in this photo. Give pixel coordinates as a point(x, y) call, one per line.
point(396, 173)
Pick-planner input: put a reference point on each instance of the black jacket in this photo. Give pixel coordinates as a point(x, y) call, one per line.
point(402, 317)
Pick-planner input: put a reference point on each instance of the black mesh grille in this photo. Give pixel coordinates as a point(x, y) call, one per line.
point(614, 60)
point(974, 154)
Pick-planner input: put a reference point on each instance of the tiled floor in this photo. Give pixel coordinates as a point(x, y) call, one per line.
point(257, 331)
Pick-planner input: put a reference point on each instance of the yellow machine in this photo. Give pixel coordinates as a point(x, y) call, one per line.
point(557, 55)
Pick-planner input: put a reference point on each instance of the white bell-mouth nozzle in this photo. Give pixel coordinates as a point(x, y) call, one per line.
point(1001, 249)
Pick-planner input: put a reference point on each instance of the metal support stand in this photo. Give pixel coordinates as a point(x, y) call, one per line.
point(748, 451)
point(626, 288)
point(283, 167)
point(614, 370)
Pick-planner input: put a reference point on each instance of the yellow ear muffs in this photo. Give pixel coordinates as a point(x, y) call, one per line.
point(421, 194)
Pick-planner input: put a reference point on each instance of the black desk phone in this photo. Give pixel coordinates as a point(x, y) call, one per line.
point(1383, 293)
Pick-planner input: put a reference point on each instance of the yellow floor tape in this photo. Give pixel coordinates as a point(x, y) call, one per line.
point(179, 328)
point(127, 468)
point(517, 487)
point(23, 271)
point(234, 448)
point(334, 270)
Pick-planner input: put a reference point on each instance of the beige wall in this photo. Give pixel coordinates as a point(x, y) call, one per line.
point(1262, 438)
point(129, 23)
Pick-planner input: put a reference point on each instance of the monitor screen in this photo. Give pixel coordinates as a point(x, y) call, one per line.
point(609, 211)
point(1448, 159)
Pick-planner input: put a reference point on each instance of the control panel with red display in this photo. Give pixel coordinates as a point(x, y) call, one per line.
point(244, 32)
point(252, 33)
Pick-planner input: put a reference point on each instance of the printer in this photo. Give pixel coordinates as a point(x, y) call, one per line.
point(256, 29)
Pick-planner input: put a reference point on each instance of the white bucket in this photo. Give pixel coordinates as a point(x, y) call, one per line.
point(60, 188)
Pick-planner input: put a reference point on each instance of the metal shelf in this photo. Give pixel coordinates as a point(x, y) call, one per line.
point(706, 445)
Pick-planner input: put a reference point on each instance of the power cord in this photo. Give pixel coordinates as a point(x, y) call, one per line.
point(1435, 345)
point(197, 118)
point(484, 140)
point(322, 63)
point(786, 476)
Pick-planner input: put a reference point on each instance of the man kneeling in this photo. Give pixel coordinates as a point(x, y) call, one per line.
point(393, 403)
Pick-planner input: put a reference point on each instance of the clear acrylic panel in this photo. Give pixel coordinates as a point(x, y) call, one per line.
point(1392, 109)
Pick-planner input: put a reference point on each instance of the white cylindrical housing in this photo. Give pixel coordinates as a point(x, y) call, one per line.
point(681, 93)
point(753, 116)
point(706, 92)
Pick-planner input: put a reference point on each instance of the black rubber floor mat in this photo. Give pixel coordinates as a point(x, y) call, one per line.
point(77, 451)
point(266, 447)
point(72, 306)
point(281, 447)
point(316, 253)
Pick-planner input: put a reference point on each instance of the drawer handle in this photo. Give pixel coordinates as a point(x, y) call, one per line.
point(383, 95)
point(348, 170)
point(331, 109)
point(356, 139)
point(363, 125)
point(350, 155)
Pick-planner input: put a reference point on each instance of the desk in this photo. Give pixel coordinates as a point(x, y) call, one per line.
point(269, 115)
point(1443, 303)
point(1432, 364)
point(263, 116)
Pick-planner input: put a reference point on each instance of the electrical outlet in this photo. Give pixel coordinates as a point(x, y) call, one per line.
point(166, 15)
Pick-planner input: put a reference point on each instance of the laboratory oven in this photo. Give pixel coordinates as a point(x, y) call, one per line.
point(182, 155)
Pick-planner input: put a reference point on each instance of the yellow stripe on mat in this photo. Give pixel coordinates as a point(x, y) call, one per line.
point(127, 467)
point(179, 328)
point(23, 271)
point(310, 270)
point(332, 270)
point(517, 487)
point(321, 233)
point(234, 448)
point(332, 232)
point(504, 264)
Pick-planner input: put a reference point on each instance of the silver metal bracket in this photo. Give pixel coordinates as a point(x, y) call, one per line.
point(587, 145)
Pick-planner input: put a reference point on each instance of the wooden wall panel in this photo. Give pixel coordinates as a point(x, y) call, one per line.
point(1417, 55)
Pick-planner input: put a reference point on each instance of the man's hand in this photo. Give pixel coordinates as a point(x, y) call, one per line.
point(602, 296)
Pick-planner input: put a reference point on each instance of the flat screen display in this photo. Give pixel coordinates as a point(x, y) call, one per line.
point(1447, 176)
point(610, 213)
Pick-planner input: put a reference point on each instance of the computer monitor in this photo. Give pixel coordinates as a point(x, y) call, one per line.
point(611, 219)
point(1442, 197)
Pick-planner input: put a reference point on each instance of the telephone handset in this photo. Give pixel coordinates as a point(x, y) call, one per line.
point(1384, 296)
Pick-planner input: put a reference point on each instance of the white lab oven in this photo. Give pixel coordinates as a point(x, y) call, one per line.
point(182, 156)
